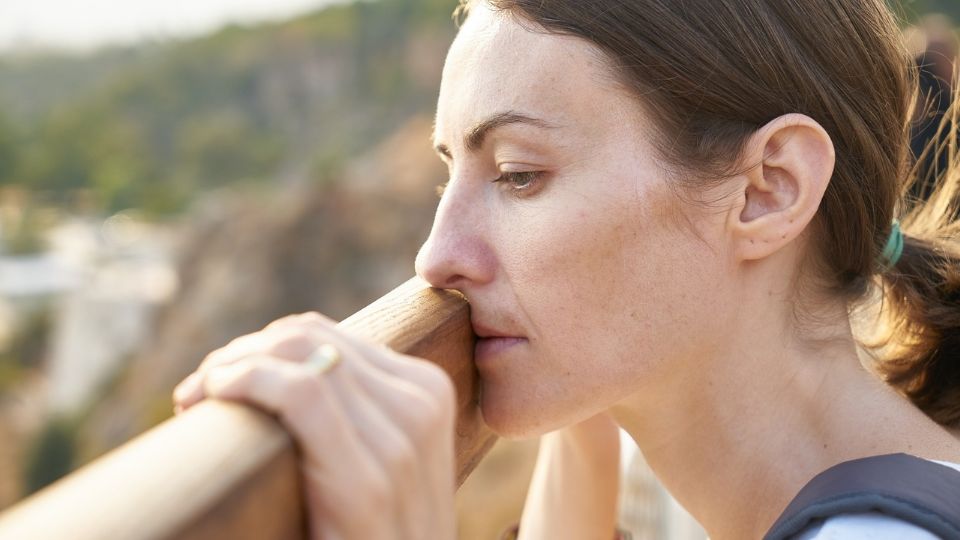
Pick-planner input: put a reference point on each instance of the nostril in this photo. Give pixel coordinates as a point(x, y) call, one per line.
point(439, 275)
point(428, 271)
point(450, 282)
point(436, 268)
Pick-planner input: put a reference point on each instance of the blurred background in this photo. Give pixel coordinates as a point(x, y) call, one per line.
point(175, 174)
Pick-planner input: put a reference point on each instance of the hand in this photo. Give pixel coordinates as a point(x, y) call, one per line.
point(375, 431)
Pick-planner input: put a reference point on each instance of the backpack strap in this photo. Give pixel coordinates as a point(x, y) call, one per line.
point(915, 490)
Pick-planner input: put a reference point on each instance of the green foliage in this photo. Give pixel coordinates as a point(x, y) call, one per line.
point(8, 151)
point(241, 106)
point(33, 85)
point(24, 234)
point(153, 126)
point(51, 455)
point(25, 350)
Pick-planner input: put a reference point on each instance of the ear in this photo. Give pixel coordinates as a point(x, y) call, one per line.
point(791, 161)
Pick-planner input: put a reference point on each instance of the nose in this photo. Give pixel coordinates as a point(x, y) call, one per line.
point(457, 255)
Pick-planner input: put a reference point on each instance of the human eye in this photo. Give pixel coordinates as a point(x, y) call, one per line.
point(520, 183)
point(442, 188)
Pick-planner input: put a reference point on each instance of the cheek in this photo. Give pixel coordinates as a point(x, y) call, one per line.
point(610, 288)
point(600, 263)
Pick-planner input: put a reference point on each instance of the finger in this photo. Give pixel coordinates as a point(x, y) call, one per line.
point(284, 389)
point(282, 341)
point(413, 393)
point(425, 420)
point(319, 413)
point(398, 422)
point(288, 390)
point(190, 390)
point(409, 455)
point(380, 431)
point(420, 395)
point(416, 370)
point(301, 318)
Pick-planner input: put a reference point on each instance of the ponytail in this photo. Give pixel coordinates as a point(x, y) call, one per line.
point(918, 338)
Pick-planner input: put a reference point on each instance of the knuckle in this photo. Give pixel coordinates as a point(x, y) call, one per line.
point(400, 458)
point(228, 352)
point(300, 396)
point(212, 358)
point(235, 379)
point(377, 489)
point(423, 421)
point(238, 342)
point(312, 318)
point(290, 342)
point(431, 377)
point(439, 385)
point(283, 321)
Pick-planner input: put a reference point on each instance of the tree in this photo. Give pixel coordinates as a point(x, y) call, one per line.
point(8, 151)
point(51, 457)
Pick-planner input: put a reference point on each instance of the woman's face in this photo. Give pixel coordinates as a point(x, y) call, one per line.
point(562, 230)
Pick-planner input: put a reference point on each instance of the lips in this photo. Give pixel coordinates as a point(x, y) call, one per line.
point(487, 332)
point(492, 343)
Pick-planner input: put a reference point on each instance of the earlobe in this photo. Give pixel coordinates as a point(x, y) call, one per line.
point(792, 161)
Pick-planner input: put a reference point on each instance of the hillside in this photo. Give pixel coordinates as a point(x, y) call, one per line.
point(151, 127)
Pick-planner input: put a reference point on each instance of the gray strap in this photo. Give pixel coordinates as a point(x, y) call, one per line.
point(915, 490)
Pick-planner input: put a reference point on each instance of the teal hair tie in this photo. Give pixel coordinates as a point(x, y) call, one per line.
point(894, 248)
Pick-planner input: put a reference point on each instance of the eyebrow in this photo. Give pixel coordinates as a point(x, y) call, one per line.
point(475, 138)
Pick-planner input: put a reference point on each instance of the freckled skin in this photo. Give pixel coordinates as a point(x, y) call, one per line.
point(678, 318)
point(594, 267)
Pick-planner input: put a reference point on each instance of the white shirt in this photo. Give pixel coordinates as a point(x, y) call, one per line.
point(868, 526)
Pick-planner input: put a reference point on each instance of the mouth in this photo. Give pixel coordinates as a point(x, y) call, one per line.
point(483, 331)
point(492, 343)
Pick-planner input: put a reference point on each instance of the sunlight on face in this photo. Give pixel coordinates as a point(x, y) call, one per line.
point(560, 227)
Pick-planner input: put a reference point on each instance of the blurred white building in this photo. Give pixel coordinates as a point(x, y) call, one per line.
point(101, 282)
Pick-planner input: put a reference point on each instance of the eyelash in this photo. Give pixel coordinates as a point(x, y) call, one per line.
point(519, 181)
point(513, 180)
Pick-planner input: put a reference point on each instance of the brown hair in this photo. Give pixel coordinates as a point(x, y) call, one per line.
point(712, 72)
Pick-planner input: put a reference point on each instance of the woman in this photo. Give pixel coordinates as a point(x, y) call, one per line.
point(662, 213)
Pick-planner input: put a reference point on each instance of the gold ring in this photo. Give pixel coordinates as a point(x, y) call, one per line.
point(323, 359)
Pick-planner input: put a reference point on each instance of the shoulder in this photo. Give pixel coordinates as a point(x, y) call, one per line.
point(873, 525)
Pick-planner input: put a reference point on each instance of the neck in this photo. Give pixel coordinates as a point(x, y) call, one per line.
point(739, 433)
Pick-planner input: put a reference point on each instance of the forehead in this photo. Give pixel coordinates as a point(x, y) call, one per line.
point(499, 63)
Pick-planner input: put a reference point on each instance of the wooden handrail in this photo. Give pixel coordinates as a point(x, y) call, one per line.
point(223, 470)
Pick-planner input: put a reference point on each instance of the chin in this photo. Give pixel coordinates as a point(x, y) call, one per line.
point(514, 416)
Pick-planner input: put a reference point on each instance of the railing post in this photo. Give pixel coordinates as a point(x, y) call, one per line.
point(223, 470)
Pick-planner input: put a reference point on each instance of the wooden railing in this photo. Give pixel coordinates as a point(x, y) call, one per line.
point(223, 470)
